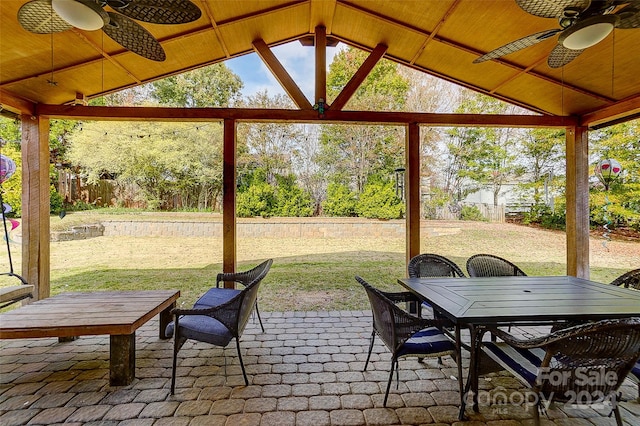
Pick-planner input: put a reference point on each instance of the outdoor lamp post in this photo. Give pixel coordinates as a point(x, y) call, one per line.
point(400, 182)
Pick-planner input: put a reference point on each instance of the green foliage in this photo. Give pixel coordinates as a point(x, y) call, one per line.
point(12, 187)
point(437, 200)
point(379, 201)
point(340, 201)
point(472, 213)
point(544, 216)
point(162, 159)
point(256, 197)
point(291, 200)
point(55, 201)
point(211, 86)
point(257, 200)
point(364, 150)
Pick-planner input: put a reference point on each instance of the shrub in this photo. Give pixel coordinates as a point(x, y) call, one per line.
point(472, 213)
point(340, 202)
point(379, 201)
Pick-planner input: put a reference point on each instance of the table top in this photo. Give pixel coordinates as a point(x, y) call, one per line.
point(77, 314)
point(498, 300)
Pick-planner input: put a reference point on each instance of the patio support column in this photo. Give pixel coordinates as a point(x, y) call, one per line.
point(229, 255)
point(35, 204)
point(412, 189)
point(577, 202)
point(321, 64)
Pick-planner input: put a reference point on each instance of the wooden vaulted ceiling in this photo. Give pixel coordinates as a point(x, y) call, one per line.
point(440, 37)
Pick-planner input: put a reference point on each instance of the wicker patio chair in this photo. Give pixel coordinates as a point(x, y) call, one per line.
point(245, 278)
point(433, 265)
point(629, 279)
point(218, 324)
point(589, 360)
point(488, 265)
point(404, 334)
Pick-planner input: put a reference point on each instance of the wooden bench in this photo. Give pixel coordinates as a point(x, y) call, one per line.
point(116, 313)
point(14, 294)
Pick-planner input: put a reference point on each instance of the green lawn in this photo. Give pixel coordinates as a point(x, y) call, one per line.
point(308, 273)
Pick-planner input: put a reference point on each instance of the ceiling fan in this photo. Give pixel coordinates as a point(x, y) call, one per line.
point(583, 23)
point(52, 16)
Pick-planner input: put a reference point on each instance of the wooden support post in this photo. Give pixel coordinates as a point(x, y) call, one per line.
point(229, 255)
point(412, 189)
point(577, 192)
point(321, 64)
point(122, 359)
point(35, 204)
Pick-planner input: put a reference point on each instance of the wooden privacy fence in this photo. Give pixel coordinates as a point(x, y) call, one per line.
point(489, 211)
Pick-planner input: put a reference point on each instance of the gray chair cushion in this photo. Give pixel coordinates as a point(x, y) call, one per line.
point(203, 329)
point(215, 297)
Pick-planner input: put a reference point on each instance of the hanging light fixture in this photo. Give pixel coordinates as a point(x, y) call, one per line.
point(588, 32)
point(84, 14)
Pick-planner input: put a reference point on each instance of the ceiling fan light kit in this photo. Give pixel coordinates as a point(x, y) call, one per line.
point(84, 14)
point(583, 24)
point(588, 32)
point(118, 21)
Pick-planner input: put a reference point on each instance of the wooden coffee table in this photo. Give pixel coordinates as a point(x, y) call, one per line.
point(116, 313)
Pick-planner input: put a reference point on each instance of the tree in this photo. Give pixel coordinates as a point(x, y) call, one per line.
point(622, 201)
point(481, 157)
point(359, 151)
point(211, 86)
point(162, 159)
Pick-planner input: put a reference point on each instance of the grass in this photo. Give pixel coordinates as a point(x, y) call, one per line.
point(308, 273)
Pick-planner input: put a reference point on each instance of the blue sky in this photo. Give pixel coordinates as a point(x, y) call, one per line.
point(298, 60)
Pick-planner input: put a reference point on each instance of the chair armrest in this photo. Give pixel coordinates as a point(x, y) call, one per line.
point(404, 296)
point(230, 277)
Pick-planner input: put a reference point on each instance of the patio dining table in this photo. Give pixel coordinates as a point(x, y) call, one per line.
point(478, 303)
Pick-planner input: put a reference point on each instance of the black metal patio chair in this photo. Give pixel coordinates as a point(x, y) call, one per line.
point(584, 364)
point(402, 333)
point(489, 265)
point(217, 324)
point(244, 278)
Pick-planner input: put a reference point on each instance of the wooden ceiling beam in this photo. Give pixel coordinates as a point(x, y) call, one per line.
point(15, 104)
point(455, 45)
point(624, 110)
point(281, 74)
point(357, 79)
point(446, 16)
point(299, 116)
point(216, 29)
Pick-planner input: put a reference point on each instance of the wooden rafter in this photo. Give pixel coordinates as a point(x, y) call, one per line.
point(216, 29)
point(358, 77)
point(281, 74)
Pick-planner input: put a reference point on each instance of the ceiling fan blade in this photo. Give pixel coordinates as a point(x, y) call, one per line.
point(519, 44)
point(561, 56)
point(158, 11)
point(38, 16)
point(134, 37)
point(551, 8)
point(629, 17)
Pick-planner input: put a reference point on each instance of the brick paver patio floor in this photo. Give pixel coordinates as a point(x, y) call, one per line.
point(305, 369)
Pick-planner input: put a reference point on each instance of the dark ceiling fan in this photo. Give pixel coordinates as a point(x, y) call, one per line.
point(52, 16)
point(583, 23)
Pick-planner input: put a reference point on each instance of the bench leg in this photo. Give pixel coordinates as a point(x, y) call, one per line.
point(165, 319)
point(122, 368)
